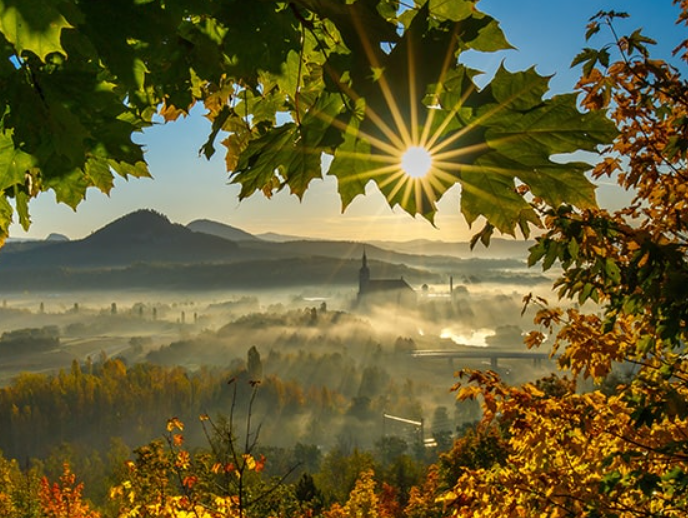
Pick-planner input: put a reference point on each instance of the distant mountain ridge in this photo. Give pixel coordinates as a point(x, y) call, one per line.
point(274, 237)
point(57, 237)
point(215, 228)
point(145, 249)
point(247, 275)
point(499, 248)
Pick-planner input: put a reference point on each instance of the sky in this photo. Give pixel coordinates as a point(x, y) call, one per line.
point(547, 34)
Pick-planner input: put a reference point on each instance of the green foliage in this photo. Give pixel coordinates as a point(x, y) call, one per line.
point(476, 448)
point(283, 84)
point(340, 471)
point(19, 489)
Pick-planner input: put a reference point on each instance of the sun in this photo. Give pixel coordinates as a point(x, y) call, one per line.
point(416, 161)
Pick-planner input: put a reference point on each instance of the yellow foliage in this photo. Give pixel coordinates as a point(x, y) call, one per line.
point(174, 423)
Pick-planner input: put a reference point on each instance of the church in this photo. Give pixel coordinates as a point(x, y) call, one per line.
point(381, 292)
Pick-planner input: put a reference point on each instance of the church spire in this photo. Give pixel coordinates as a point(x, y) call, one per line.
point(363, 274)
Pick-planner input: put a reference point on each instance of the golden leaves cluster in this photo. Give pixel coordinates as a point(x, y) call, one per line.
point(572, 456)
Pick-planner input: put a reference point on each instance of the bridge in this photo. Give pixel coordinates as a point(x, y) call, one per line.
point(481, 353)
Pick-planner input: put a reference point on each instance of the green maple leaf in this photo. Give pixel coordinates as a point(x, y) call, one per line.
point(417, 60)
point(68, 136)
point(413, 195)
point(290, 154)
point(423, 57)
point(5, 219)
point(205, 35)
point(263, 108)
point(14, 163)
point(488, 191)
point(519, 91)
point(288, 79)
point(488, 36)
point(316, 136)
point(33, 25)
point(21, 202)
point(275, 160)
point(70, 187)
point(558, 184)
point(99, 174)
point(556, 126)
point(259, 39)
point(126, 169)
point(14, 166)
point(259, 164)
point(351, 165)
point(452, 9)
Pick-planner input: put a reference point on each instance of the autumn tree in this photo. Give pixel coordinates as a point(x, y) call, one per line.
point(63, 499)
point(622, 452)
point(29, 494)
point(167, 479)
point(18, 490)
point(363, 501)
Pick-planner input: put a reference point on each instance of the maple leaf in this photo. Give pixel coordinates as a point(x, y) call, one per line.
point(33, 25)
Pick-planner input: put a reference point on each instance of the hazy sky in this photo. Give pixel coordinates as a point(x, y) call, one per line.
point(546, 33)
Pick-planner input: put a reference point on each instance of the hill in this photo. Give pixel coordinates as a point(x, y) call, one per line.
point(280, 238)
point(215, 228)
point(142, 236)
point(498, 249)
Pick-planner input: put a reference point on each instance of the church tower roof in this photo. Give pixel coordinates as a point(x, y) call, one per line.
point(363, 273)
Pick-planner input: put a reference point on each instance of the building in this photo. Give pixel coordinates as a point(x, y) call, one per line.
point(381, 292)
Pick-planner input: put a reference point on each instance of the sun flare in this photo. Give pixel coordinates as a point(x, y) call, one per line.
point(416, 161)
point(412, 142)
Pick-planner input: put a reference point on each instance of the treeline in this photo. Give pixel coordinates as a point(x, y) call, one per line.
point(254, 274)
point(301, 396)
point(30, 340)
point(92, 403)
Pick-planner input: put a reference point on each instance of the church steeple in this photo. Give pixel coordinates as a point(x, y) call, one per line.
point(363, 274)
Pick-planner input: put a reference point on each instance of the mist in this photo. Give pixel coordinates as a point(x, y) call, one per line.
point(330, 370)
point(335, 345)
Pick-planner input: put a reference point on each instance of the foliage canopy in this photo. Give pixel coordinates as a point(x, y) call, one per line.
point(621, 450)
point(282, 83)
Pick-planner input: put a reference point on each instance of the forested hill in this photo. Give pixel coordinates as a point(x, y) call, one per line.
point(256, 274)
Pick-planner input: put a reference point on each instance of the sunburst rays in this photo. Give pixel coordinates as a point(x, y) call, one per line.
point(415, 165)
point(414, 157)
